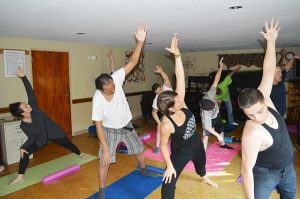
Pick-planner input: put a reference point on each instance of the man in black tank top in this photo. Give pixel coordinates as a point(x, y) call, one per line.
point(267, 151)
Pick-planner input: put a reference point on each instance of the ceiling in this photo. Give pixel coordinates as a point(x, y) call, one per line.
point(201, 25)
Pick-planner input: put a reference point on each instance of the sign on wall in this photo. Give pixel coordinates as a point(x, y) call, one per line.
point(13, 59)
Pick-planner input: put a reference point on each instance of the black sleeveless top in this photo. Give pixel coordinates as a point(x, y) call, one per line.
point(185, 138)
point(280, 154)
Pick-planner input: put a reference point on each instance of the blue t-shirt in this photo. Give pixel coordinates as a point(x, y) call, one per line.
point(278, 97)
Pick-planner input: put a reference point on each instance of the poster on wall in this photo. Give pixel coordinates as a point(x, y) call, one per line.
point(13, 59)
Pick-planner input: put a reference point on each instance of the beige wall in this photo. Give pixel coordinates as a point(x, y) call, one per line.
point(82, 74)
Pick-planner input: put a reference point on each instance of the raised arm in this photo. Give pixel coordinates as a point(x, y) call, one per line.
point(164, 76)
point(236, 68)
point(269, 65)
point(140, 37)
point(218, 74)
point(28, 87)
point(111, 61)
point(282, 53)
point(179, 71)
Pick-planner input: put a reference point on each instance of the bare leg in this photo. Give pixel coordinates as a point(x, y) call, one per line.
point(222, 140)
point(205, 141)
point(140, 159)
point(206, 180)
point(103, 172)
point(20, 178)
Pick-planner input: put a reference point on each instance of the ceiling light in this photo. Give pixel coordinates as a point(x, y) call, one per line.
point(81, 33)
point(235, 7)
point(148, 43)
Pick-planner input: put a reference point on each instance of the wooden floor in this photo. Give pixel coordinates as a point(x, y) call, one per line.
point(84, 183)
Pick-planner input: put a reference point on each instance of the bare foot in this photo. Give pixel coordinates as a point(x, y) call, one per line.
point(20, 178)
point(83, 157)
point(206, 180)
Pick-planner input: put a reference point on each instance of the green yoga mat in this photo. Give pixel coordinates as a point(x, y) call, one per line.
point(34, 174)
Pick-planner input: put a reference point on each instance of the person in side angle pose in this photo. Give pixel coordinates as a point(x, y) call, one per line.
point(267, 151)
point(278, 89)
point(158, 89)
point(223, 95)
point(179, 122)
point(112, 116)
point(210, 115)
point(38, 127)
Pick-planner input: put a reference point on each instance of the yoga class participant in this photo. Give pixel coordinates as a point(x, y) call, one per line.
point(112, 116)
point(267, 151)
point(179, 122)
point(158, 89)
point(210, 115)
point(38, 127)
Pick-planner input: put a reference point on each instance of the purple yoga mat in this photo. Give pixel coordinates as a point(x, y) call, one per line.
point(60, 174)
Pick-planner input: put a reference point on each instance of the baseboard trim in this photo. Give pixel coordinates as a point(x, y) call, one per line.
point(80, 132)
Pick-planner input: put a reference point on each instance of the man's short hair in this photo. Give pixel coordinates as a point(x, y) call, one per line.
point(14, 109)
point(206, 104)
point(102, 80)
point(250, 96)
point(155, 87)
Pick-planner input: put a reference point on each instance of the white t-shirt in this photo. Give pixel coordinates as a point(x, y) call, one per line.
point(165, 88)
point(115, 113)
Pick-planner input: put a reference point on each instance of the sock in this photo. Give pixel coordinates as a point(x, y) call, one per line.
point(101, 194)
point(225, 146)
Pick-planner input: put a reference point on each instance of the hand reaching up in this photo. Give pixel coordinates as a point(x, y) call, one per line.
point(20, 72)
point(141, 34)
point(271, 31)
point(158, 69)
point(221, 64)
point(174, 47)
point(110, 54)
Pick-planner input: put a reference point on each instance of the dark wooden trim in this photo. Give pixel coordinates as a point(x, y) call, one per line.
point(4, 110)
point(82, 100)
point(89, 99)
point(26, 51)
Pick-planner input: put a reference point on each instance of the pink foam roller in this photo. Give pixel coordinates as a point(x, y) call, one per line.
point(60, 174)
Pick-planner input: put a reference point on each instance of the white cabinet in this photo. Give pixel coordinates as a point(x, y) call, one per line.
point(12, 138)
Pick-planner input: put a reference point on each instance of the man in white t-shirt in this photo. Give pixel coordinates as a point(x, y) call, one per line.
point(112, 116)
point(158, 89)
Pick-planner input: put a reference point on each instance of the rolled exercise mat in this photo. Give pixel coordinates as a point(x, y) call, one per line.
point(228, 139)
point(153, 169)
point(60, 174)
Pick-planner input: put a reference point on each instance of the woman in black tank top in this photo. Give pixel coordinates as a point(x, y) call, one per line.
point(178, 121)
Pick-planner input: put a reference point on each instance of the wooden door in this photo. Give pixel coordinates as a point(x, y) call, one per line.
point(50, 73)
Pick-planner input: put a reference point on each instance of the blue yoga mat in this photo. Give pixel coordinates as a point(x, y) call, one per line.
point(131, 186)
point(228, 128)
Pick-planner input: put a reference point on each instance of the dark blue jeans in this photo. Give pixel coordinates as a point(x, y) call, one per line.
point(265, 180)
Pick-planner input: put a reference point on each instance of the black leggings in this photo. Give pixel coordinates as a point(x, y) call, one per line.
point(179, 160)
point(64, 142)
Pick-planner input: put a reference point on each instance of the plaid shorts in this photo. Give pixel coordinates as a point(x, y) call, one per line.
point(128, 135)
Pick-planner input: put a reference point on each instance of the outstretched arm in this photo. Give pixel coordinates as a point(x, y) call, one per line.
point(236, 68)
point(179, 71)
point(282, 53)
point(269, 65)
point(140, 36)
point(158, 69)
point(28, 87)
point(111, 61)
point(218, 74)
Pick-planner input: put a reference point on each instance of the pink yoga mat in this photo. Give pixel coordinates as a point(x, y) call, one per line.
point(60, 174)
point(152, 137)
point(216, 158)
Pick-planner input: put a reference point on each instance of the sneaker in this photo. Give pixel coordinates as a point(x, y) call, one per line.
point(1, 168)
point(225, 146)
point(234, 124)
point(156, 150)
